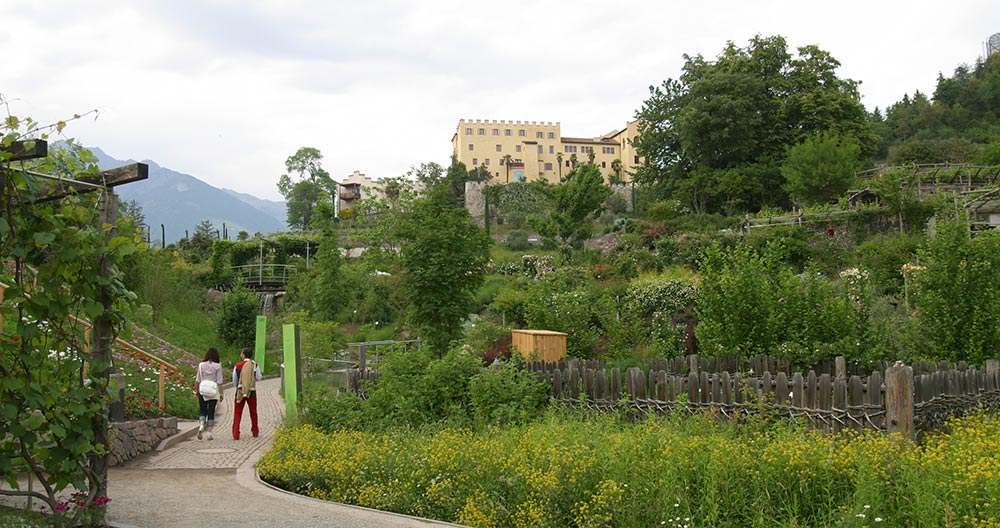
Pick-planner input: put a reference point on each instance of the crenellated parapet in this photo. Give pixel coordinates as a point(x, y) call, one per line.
point(485, 122)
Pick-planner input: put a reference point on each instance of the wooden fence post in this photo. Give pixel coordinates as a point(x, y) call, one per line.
point(899, 400)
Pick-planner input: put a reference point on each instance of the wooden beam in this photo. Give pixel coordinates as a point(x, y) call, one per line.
point(109, 178)
point(29, 149)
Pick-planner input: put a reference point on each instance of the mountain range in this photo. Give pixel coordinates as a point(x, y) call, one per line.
point(174, 203)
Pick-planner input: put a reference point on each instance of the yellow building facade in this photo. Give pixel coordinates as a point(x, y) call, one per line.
point(532, 150)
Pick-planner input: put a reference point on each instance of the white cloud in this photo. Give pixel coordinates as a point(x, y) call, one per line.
point(226, 90)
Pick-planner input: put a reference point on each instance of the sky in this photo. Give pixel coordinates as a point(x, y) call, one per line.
point(227, 90)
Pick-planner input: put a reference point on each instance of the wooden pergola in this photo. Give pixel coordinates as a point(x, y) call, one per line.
point(101, 335)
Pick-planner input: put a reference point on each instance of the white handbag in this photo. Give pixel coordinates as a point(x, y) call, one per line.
point(208, 389)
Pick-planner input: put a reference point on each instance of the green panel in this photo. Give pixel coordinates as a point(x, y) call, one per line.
point(290, 339)
point(258, 355)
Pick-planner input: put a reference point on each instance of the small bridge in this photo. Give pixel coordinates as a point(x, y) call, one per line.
point(265, 277)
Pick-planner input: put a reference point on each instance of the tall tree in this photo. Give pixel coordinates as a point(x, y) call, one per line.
point(575, 203)
point(820, 169)
point(507, 160)
point(444, 254)
point(310, 189)
point(716, 136)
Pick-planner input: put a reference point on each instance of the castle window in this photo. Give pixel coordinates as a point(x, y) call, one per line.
point(506, 132)
point(552, 149)
point(539, 149)
point(521, 132)
point(539, 135)
point(475, 162)
point(468, 131)
point(486, 162)
point(552, 135)
point(548, 166)
point(472, 147)
point(482, 131)
point(499, 148)
point(496, 131)
point(517, 148)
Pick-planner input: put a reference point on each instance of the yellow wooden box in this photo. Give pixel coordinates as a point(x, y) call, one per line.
point(544, 345)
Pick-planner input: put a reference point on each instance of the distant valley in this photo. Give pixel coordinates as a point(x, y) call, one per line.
point(179, 202)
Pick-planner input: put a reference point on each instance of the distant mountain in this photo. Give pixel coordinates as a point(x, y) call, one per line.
point(180, 202)
point(271, 207)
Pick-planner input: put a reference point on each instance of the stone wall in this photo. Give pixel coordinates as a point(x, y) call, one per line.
point(475, 203)
point(130, 439)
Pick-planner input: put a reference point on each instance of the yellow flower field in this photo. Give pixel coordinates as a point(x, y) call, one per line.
point(566, 471)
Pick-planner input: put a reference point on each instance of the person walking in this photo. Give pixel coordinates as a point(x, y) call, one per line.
point(208, 384)
point(246, 373)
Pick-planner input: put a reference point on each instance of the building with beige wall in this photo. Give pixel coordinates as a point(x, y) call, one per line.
point(538, 150)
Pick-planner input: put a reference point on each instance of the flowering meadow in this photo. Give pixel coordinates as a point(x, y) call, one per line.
point(566, 470)
point(142, 379)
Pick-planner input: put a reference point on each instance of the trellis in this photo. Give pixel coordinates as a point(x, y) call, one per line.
point(100, 334)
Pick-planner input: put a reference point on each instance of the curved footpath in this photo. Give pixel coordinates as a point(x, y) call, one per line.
point(191, 482)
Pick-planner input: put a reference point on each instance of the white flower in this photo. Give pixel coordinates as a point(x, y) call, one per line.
point(860, 516)
point(878, 519)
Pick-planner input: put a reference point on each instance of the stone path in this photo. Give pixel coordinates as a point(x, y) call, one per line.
point(187, 452)
point(213, 482)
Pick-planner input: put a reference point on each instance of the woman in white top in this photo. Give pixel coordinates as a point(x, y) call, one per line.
point(209, 369)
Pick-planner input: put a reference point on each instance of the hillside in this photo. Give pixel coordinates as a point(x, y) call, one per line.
point(179, 202)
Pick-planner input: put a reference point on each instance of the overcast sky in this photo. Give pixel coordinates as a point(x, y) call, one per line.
point(227, 90)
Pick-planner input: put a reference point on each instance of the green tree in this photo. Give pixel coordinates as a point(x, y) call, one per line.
point(237, 320)
point(616, 168)
point(507, 160)
point(311, 188)
point(820, 168)
point(444, 254)
point(715, 137)
point(574, 204)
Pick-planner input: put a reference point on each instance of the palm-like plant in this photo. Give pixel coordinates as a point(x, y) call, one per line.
point(559, 159)
point(507, 160)
point(616, 166)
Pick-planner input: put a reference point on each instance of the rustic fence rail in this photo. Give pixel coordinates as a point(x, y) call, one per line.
point(901, 398)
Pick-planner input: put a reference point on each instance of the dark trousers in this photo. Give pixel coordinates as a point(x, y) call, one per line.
point(206, 410)
point(251, 402)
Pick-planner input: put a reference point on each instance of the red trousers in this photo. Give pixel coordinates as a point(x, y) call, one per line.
point(250, 401)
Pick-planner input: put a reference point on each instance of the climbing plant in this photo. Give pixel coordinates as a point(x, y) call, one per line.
point(59, 269)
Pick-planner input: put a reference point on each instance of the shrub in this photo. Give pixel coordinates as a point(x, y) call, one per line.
point(237, 323)
point(506, 395)
point(517, 240)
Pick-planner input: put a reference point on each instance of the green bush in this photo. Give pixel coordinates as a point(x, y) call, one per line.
point(331, 411)
point(517, 240)
point(237, 323)
point(481, 336)
point(506, 395)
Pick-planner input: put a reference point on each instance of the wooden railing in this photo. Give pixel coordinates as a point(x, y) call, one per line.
point(163, 366)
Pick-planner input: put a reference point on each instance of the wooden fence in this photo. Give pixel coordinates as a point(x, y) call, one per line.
point(897, 401)
point(834, 396)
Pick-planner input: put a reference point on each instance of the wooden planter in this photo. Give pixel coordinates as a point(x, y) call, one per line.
point(541, 345)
